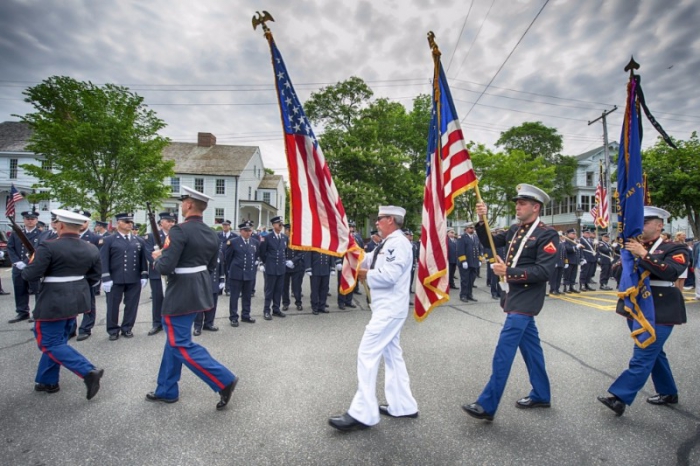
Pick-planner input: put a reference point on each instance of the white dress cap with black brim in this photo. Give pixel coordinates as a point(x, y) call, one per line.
point(651, 212)
point(66, 216)
point(189, 193)
point(533, 193)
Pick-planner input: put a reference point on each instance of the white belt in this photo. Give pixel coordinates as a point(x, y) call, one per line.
point(73, 278)
point(186, 270)
point(661, 283)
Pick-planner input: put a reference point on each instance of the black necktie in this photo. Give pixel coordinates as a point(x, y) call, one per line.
point(376, 254)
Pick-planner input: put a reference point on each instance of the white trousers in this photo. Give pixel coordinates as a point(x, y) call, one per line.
point(381, 338)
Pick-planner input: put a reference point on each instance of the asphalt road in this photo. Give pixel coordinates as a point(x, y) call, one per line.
point(296, 372)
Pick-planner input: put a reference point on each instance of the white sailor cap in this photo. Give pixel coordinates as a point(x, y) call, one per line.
point(66, 216)
point(528, 191)
point(392, 210)
point(655, 212)
point(188, 192)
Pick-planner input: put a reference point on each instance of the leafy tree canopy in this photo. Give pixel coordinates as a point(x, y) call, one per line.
point(534, 139)
point(100, 144)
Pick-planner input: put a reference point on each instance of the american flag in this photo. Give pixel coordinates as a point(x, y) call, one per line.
point(318, 221)
point(449, 172)
point(13, 198)
point(601, 212)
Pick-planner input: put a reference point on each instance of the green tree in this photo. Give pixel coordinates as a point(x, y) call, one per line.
point(673, 177)
point(534, 139)
point(338, 106)
point(100, 144)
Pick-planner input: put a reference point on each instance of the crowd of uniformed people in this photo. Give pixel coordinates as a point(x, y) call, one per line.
point(196, 265)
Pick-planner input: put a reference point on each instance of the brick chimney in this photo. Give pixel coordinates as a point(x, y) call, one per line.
point(206, 140)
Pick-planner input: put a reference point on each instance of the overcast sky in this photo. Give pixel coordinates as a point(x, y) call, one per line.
point(201, 66)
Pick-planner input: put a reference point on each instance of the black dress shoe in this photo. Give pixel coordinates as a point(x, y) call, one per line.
point(285, 307)
point(248, 320)
point(155, 330)
point(18, 318)
point(226, 394)
point(300, 307)
point(341, 307)
point(197, 332)
point(3, 292)
point(314, 312)
point(454, 287)
point(352, 305)
point(384, 409)
point(527, 402)
point(464, 299)
point(267, 316)
point(472, 298)
point(234, 323)
point(663, 399)
point(572, 290)
point(345, 422)
point(83, 336)
point(151, 396)
point(606, 288)
point(210, 328)
point(48, 388)
point(476, 411)
point(92, 382)
point(613, 403)
point(128, 334)
point(279, 314)
point(495, 296)
point(113, 336)
point(325, 310)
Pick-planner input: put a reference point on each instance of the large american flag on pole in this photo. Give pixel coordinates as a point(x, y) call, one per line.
point(13, 198)
point(601, 216)
point(318, 221)
point(449, 172)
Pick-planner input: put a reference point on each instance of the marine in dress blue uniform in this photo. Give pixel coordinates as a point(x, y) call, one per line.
point(530, 260)
point(69, 268)
point(272, 253)
point(665, 260)
point(166, 220)
point(294, 277)
point(242, 257)
point(318, 267)
point(124, 274)
point(20, 258)
point(188, 258)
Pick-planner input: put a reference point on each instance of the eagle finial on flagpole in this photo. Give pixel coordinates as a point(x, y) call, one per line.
point(260, 19)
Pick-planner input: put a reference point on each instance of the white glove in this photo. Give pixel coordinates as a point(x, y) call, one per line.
point(144, 282)
point(308, 272)
point(289, 264)
point(222, 285)
point(584, 262)
point(20, 265)
point(566, 266)
point(339, 267)
point(465, 265)
point(595, 242)
point(580, 246)
point(107, 286)
point(2, 255)
point(479, 263)
point(332, 273)
point(262, 268)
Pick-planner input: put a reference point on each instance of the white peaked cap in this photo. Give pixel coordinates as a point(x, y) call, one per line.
point(528, 191)
point(66, 216)
point(656, 212)
point(189, 192)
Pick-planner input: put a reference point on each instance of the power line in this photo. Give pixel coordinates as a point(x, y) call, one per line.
point(508, 57)
point(474, 40)
point(460, 35)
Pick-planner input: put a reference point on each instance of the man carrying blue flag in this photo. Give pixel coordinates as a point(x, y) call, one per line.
point(662, 261)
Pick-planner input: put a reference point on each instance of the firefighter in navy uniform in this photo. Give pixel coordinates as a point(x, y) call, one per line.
point(555, 280)
point(468, 252)
point(205, 319)
point(294, 277)
point(605, 259)
point(20, 258)
point(124, 274)
point(665, 260)
point(188, 258)
point(273, 258)
point(573, 258)
point(225, 237)
point(451, 256)
point(241, 257)
point(166, 221)
point(318, 268)
point(88, 320)
point(530, 260)
point(69, 268)
point(588, 261)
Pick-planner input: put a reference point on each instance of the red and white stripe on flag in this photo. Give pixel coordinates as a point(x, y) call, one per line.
point(351, 264)
point(602, 217)
point(457, 167)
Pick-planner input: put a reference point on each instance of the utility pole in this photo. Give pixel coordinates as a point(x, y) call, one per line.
point(607, 163)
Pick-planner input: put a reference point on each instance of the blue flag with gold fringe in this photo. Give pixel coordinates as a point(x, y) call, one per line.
point(633, 287)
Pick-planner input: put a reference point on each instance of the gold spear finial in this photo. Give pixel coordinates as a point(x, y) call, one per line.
point(631, 66)
point(433, 44)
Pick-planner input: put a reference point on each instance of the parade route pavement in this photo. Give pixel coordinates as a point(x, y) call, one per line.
point(297, 372)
